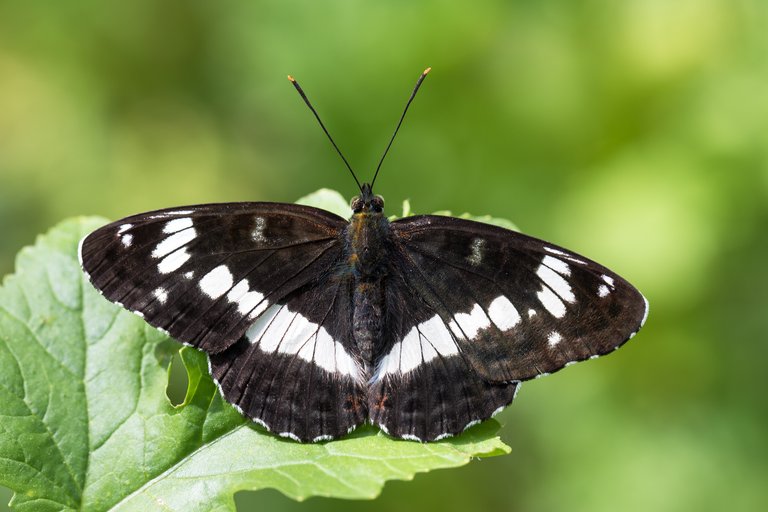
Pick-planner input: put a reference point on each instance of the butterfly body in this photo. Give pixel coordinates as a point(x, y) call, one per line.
point(368, 243)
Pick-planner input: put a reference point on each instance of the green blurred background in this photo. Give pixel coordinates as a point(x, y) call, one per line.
point(635, 132)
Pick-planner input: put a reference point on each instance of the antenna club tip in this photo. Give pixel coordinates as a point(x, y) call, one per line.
point(291, 79)
point(427, 71)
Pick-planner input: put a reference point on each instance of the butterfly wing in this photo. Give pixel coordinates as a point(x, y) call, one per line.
point(423, 388)
point(205, 273)
point(256, 286)
point(490, 308)
point(311, 386)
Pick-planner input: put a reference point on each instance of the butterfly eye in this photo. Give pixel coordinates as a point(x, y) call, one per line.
point(377, 204)
point(356, 204)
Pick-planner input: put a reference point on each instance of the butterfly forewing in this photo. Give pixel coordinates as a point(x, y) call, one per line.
point(206, 273)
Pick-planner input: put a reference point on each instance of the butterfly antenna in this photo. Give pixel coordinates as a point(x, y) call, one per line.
point(306, 100)
point(413, 95)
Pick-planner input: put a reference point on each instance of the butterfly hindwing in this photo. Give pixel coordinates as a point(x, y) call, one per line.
point(423, 388)
point(206, 273)
point(517, 307)
point(297, 371)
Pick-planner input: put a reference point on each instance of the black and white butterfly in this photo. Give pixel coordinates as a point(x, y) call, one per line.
point(315, 324)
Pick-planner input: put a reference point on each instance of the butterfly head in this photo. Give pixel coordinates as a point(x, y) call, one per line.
point(367, 202)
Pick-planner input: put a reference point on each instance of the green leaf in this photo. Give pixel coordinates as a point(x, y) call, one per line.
point(328, 199)
point(487, 219)
point(86, 424)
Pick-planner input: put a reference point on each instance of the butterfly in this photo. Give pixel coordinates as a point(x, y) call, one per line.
point(315, 324)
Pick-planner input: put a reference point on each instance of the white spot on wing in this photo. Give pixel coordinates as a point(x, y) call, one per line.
point(273, 335)
point(323, 352)
point(410, 437)
point(603, 291)
point(518, 385)
point(215, 381)
point(531, 313)
point(127, 239)
point(345, 364)
point(262, 423)
point(423, 343)
point(556, 265)
point(246, 299)
point(281, 330)
point(565, 255)
point(257, 329)
point(290, 435)
point(555, 251)
point(172, 226)
point(608, 280)
point(551, 302)
point(80, 252)
point(554, 338)
point(389, 363)
point(161, 294)
point(173, 242)
point(237, 291)
point(123, 228)
point(173, 261)
point(428, 351)
point(645, 315)
point(216, 282)
point(476, 257)
point(296, 338)
point(469, 324)
point(471, 424)
point(556, 282)
point(435, 336)
point(256, 311)
point(410, 351)
point(257, 235)
point(503, 313)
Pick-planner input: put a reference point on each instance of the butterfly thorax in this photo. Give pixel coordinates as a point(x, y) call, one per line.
point(367, 239)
